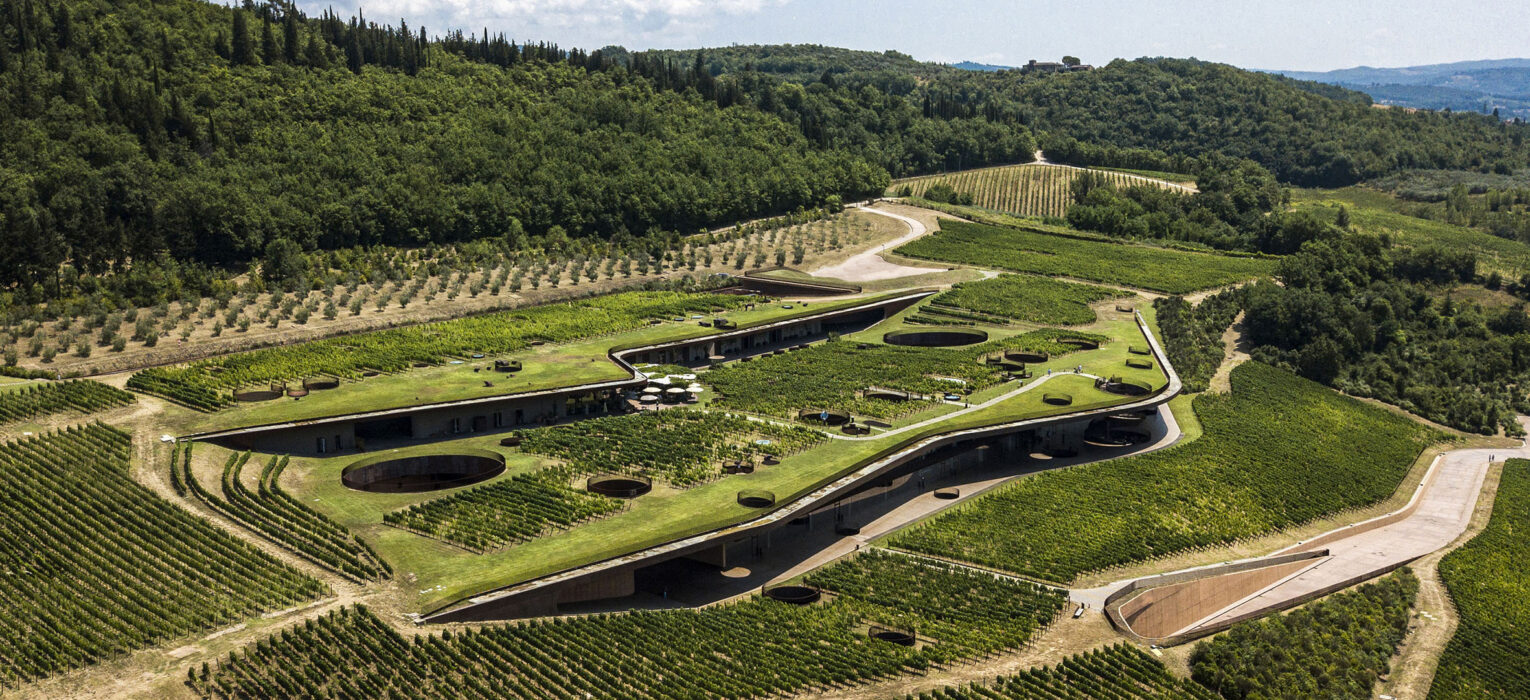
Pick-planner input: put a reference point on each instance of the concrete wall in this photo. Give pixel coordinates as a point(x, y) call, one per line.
point(1160, 612)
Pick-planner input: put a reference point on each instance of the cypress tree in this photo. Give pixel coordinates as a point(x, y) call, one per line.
point(242, 53)
point(353, 52)
point(290, 36)
point(267, 42)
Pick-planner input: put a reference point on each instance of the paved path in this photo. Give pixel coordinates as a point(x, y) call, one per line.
point(869, 265)
point(942, 417)
point(1444, 505)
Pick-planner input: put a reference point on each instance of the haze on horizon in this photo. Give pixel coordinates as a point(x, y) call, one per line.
point(1292, 35)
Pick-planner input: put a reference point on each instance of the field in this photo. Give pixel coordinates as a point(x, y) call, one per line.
point(504, 513)
point(1023, 298)
point(545, 366)
point(33, 399)
point(753, 648)
point(681, 447)
point(382, 287)
point(97, 566)
point(1380, 213)
point(969, 614)
point(1487, 578)
point(277, 516)
point(1276, 452)
point(445, 573)
point(1096, 259)
point(209, 384)
point(1119, 672)
point(1024, 190)
point(831, 375)
point(1337, 647)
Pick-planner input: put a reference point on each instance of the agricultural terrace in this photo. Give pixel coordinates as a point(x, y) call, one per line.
point(1008, 298)
point(507, 512)
point(278, 517)
point(24, 400)
point(833, 375)
point(1378, 213)
point(1276, 452)
point(210, 384)
point(445, 571)
point(1118, 672)
point(98, 566)
point(1486, 578)
point(1062, 253)
point(546, 363)
point(757, 647)
point(1337, 647)
point(1023, 190)
point(679, 447)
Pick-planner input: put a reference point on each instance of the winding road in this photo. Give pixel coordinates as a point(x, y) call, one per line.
point(869, 265)
point(1439, 512)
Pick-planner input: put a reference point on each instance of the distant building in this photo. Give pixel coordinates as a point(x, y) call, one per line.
point(1035, 66)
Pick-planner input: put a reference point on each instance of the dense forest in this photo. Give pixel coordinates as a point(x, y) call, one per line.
point(191, 132)
point(1167, 114)
point(150, 146)
point(1374, 320)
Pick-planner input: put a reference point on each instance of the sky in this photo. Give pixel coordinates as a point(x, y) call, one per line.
point(1288, 35)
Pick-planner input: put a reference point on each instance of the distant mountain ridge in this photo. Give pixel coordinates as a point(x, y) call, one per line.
point(1479, 86)
point(985, 67)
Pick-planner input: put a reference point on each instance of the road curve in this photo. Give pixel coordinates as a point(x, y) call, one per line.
point(869, 265)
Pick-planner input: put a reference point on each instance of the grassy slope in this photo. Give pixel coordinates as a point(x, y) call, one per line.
point(1059, 252)
point(546, 367)
point(445, 573)
point(1276, 452)
point(1371, 211)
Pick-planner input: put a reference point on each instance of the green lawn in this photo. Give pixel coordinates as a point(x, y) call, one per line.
point(444, 573)
point(1376, 212)
point(545, 367)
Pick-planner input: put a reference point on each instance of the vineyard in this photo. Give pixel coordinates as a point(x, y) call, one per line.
point(832, 375)
point(1024, 190)
point(97, 566)
point(46, 398)
point(1131, 265)
point(970, 614)
point(753, 648)
point(1486, 578)
point(1023, 298)
point(208, 384)
point(682, 447)
point(506, 512)
point(278, 516)
point(1119, 672)
point(1277, 451)
point(1192, 334)
point(1337, 647)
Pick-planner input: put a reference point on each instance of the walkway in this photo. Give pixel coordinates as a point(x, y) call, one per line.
point(869, 265)
point(934, 419)
point(1439, 512)
point(1444, 506)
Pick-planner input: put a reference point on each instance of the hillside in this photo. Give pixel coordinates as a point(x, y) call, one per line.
point(135, 130)
point(1477, 86)
point(1133, 113)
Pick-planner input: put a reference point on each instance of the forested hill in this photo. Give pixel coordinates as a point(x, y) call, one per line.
point(178, 134)
point(131, 129)
point(1132, 113)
